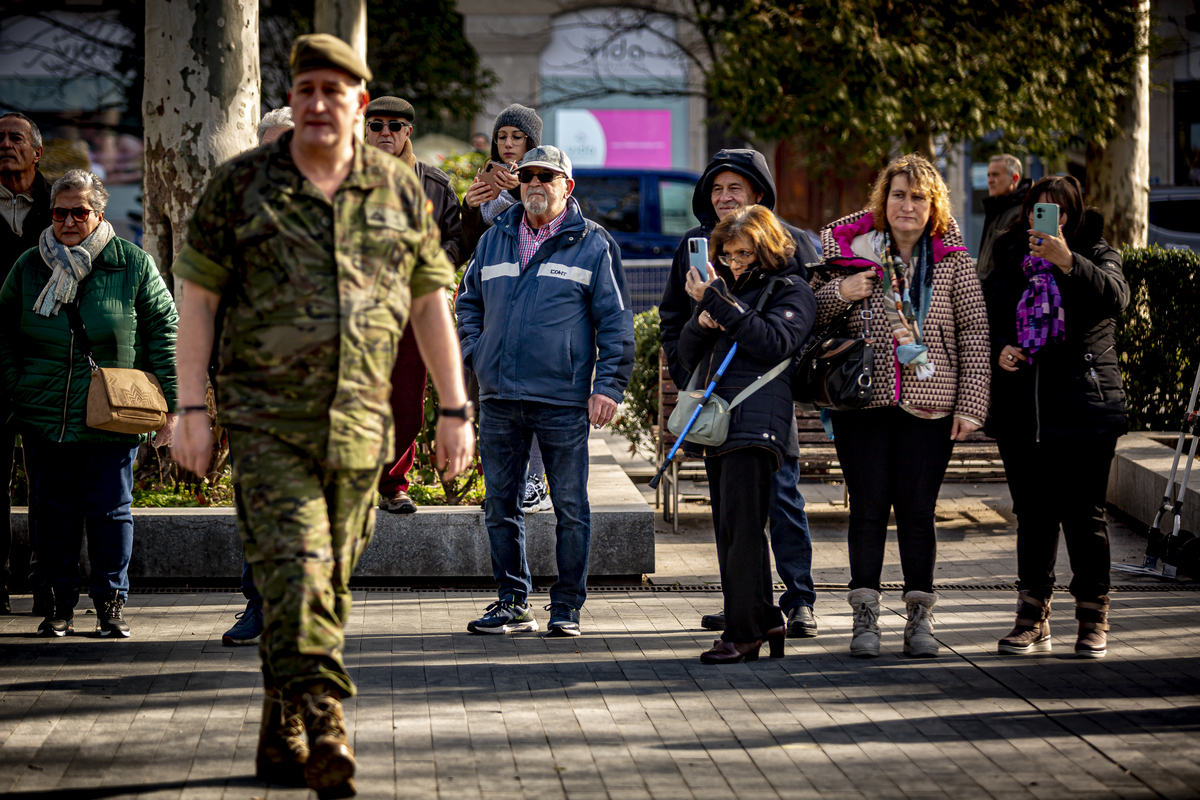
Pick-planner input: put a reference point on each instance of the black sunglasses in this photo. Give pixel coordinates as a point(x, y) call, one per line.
point(395, 125)
point(80, 214)
point(527, 175)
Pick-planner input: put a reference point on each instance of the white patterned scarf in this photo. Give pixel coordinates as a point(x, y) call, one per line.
point(68, 266)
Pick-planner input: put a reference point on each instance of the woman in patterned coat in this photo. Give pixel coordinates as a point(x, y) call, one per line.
point(925, 312)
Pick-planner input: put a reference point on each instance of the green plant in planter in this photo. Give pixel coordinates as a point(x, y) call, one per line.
point(461, 167)
point(1158, 336)
point(639, 412)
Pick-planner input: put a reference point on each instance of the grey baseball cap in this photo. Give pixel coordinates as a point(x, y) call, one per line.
point(547, 156)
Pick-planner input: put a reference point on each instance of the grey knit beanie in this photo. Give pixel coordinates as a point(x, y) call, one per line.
point(524, 119)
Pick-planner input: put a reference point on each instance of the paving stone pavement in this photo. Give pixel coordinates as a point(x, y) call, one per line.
point(627, 710)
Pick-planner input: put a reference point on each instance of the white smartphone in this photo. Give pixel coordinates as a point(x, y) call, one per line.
point(698, 256)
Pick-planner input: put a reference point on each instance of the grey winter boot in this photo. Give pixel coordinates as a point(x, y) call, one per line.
point(865, 640)
point(1031, 634)
point(918, 633)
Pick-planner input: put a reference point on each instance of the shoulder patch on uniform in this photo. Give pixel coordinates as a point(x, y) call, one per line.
point(385, 217)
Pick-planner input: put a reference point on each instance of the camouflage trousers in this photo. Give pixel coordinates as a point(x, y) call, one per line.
point(304, 528)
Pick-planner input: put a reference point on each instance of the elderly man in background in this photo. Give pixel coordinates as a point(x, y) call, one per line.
point(544, 321)
point(248, 628)
point(390, 128)
point(1006, 193)
point(319, 246)
point(25, 206)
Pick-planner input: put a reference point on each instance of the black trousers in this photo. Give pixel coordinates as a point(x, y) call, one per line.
point(740, 485)
point(892, 461)
point(1060, 482)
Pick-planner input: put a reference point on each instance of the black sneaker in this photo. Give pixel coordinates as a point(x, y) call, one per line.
point(564, 620)
point(537, 496)
point(54, 626)
point(505, 616)
point(801, 623)
point(109, 621)
point(713, 622)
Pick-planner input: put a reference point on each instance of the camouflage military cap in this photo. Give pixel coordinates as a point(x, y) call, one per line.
point(391, 107)
point(325, 51)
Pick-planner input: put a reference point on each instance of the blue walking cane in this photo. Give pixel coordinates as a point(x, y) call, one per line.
point(692, 420)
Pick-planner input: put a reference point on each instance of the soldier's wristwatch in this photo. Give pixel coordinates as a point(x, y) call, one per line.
point(466, 412)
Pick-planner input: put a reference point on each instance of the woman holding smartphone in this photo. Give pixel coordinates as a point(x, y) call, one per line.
point(516, 130)
point(1058, 405)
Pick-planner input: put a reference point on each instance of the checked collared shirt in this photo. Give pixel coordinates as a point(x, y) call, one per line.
point(529, 240)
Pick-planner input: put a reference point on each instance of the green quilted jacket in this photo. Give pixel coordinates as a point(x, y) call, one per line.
point(130, 319)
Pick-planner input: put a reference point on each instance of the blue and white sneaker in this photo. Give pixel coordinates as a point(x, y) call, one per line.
point(505, 616)
point(564, 620)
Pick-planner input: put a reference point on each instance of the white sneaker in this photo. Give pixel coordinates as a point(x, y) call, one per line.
point(537, 496)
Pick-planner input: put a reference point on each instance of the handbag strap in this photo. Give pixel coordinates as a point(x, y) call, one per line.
point(761, 382)
point(75, 321)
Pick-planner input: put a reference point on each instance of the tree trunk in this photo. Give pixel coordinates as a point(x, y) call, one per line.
point(200, 107)
point(345, 19)
point(1118, 175)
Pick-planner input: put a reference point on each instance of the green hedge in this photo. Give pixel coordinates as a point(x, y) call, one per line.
point(1158, 336)
point(640, 410)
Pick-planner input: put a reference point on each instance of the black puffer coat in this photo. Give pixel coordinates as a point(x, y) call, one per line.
point(1073, 387)
point(676, 306)
point(767, 418)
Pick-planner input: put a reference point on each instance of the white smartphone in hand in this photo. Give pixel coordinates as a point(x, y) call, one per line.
point(698, 256)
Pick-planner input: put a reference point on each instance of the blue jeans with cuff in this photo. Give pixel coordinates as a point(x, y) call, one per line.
point(505, 430)
point(790, 539)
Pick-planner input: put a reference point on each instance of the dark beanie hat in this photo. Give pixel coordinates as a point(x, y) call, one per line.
point(524, 119)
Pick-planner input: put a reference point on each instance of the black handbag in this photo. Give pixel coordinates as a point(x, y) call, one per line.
point(835, 371)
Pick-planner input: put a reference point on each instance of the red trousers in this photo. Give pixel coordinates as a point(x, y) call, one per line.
point(408, 411)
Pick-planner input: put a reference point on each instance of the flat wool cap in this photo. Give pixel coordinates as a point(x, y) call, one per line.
point(391, 107)
point(325, 51)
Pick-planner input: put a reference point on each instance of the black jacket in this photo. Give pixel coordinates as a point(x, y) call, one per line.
point(446, 210)
point(767, 418)
point(1073, 387)
point(676, 306)
point(36, 221)
point(999, 214)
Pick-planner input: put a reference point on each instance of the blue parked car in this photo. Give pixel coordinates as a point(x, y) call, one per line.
point(647, 212)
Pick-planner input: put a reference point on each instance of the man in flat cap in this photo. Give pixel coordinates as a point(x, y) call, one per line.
point(318, 247)
point(390, 128)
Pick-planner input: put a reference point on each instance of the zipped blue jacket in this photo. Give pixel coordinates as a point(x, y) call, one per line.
point(538, 333)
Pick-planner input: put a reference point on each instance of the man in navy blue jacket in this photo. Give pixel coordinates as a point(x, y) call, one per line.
point(736, 178)
point(545, 324)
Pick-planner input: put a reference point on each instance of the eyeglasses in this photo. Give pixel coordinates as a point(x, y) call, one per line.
point(527, 175)
point(395, 125)
point(80, 214)
point(740, 257)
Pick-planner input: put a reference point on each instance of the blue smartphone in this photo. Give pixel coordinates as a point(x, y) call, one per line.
point(1045, 218)
point(698, 256)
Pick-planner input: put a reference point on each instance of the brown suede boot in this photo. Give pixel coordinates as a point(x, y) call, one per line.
point(282, 751)
point(1032, 631)
point(330, 767)
point(1093, 628)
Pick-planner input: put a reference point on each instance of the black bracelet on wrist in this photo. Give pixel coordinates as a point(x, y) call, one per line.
point(191, 409)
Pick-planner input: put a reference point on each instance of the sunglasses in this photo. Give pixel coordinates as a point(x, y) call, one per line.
point(80, 214)
point(395, 126)
point(526, 175)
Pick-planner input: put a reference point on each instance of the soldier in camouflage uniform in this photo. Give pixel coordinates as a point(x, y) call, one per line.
point(317, 246)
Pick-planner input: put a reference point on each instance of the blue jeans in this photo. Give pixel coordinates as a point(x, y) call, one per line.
point(75, 483)
point(249, 590)
point(505, 430)
point(790, 539)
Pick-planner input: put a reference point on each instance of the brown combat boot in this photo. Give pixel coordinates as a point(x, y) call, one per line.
point(1032, 631)
point(282, 751)
point(1093, 628)
point(330, 768)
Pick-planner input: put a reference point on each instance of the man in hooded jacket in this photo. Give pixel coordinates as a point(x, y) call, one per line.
point(736, 178)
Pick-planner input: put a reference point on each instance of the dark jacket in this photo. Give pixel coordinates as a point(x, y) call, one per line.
point(677, 307)
point(766, 418)
point(38, 219)
point(557, 331)
point(130, 320)
point(446, 210)
point(999, 215)
point(1073, 387)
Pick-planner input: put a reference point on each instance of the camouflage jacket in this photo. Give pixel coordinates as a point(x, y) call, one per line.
point(315, 295)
